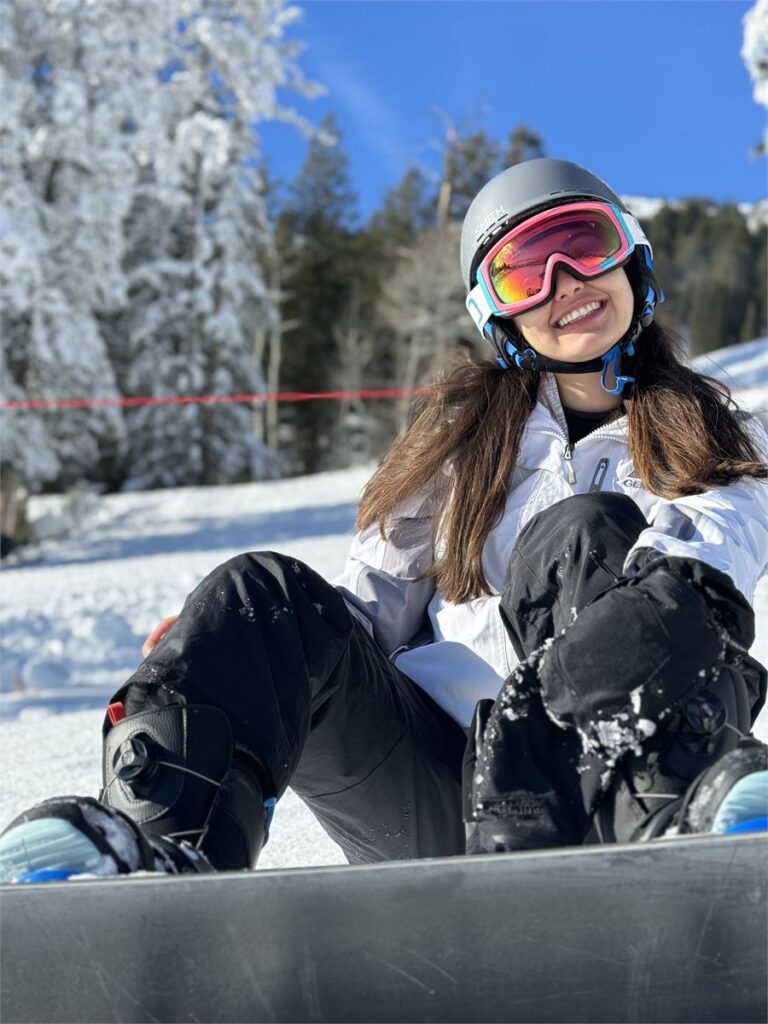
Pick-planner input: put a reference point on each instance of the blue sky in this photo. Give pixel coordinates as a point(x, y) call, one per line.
point(650, 94)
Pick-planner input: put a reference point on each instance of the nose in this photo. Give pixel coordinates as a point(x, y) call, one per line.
point(566, 285)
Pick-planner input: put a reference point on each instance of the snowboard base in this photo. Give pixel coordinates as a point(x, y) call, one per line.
point(673, 930)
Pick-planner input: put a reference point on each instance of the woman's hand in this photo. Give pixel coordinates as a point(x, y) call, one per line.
point(157, 634)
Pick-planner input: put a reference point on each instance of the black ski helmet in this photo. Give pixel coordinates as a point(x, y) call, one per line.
point(514, 195)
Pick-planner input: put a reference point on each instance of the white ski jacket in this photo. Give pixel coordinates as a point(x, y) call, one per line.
point(467, 653)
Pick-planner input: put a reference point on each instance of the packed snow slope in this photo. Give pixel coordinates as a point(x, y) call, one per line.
point(744, 368)
point(76, 607)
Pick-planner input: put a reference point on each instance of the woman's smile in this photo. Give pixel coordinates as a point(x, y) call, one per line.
point(585, 313)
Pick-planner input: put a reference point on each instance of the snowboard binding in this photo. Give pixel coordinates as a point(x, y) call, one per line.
point(76, 835)
point(176, 799)
point(728, 798)
point(173, 770)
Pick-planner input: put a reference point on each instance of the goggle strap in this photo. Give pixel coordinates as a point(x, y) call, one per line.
point(480, 307)
point(635, 231)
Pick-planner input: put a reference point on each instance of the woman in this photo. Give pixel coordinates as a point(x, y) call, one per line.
point(566, 538)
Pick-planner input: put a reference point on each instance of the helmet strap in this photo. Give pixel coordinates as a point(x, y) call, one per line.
point(513, 352)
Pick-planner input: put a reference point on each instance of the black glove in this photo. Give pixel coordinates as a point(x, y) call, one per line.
point(521, 786)
point(622, 670)
point(639, 650)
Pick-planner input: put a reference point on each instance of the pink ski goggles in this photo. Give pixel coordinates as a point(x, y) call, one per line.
point(518, 273)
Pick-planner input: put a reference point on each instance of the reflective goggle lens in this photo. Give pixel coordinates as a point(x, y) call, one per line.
point(518, 269)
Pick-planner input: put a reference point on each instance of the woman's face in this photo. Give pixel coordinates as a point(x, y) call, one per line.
point(597, 314)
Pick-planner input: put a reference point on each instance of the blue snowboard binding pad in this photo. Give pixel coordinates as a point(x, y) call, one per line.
point(49, 850)
point(745, 809)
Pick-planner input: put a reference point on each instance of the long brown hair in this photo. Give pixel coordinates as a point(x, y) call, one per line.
point(684, 437)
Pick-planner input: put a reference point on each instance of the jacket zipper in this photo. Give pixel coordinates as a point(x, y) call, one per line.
point(568, 448)
point(597, 479)
point(568, 456)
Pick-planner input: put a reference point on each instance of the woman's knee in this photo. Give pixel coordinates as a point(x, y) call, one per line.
point(590, 511)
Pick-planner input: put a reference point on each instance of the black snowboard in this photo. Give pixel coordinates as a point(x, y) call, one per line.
point(668, 931)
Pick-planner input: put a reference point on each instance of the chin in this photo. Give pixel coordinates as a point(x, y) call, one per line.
point(578, 350)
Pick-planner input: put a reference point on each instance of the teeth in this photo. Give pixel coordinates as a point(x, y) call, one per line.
point(577, 314)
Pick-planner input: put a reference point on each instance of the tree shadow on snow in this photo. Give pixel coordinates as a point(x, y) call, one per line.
point(251, 532)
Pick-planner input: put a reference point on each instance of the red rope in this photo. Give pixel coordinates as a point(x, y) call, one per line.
point(45, 404)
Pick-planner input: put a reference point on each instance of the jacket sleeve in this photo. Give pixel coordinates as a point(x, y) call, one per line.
point(380, 582)
point(724, 527)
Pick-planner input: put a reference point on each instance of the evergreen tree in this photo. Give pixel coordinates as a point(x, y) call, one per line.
point(316, 246)
point(754, 53)
point(72, 75)
point(523, 144)
point(134, 226)
point(406, 209)
point(474, 159)
point(750, 326)
point(712, 269)
point(758, 291)
point(709, 318)
point(469, 161)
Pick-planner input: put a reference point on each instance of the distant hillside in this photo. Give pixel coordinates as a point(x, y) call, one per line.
point(645, 208)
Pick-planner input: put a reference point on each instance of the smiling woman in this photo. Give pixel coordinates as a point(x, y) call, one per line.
point(559, 555)
point(586, 462)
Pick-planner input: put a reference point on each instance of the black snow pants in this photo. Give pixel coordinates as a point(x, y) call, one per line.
point(314, 703)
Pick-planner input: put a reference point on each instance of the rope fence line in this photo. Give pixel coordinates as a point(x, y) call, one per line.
point(47, 404)
point(52, 404)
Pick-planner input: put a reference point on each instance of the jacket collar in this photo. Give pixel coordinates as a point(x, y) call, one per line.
point(549, 409)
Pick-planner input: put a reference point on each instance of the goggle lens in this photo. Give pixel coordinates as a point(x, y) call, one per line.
point(518, 269)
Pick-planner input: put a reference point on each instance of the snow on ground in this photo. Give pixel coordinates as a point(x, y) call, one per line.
point(740, 366)
point(744, 369)
point(76, 608)
point(75, 611)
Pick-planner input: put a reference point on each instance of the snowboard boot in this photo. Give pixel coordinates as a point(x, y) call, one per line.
point(662, 789)
point(174, 771)
point(77, 835)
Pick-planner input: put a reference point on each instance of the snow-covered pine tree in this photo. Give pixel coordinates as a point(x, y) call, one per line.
point(200, 237)
point(26, 449)
point(73, 72)
point(754, 53)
